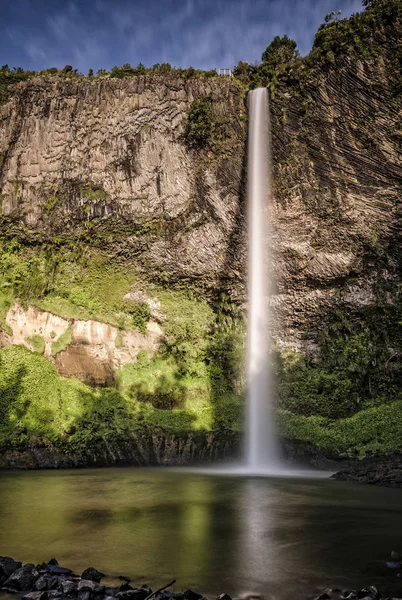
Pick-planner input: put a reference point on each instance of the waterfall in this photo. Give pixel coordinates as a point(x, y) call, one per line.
point(261, 445)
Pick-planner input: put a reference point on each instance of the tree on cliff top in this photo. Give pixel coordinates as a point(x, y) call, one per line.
point(280, 52)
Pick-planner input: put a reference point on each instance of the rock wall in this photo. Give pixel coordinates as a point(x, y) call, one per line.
point(86, 350)
point(111, 155)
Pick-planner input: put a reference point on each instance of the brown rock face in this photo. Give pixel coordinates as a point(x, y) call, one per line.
point(111, 154)
point(88, 364)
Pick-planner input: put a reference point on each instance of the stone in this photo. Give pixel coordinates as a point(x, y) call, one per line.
point(371, 593)
point(23, 578)
point(87, 585)
point(54, 594)
point(56, 570)
point(53, 562)
point(224, 597)
point(41, 584)
point(40, 595)
point(190, 595)
point(69, 587)
point(393, 564)
point(7, 567)
point(84, 595)
point(92, 574)
point(146, 589)
point(125, 586)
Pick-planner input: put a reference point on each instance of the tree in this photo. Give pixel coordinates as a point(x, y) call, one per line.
point(280, 52)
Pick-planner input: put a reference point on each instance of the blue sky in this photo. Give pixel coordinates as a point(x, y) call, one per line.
point(37, 34)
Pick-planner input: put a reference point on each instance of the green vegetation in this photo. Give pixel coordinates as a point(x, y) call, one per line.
point(62, 342)
point(199, 123)
point(38, 343)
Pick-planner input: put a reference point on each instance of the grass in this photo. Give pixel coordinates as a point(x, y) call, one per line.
point(38, 343)
point(376, 430)
point(63, 341)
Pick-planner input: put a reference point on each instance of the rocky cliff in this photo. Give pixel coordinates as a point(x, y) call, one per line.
point(124, 255)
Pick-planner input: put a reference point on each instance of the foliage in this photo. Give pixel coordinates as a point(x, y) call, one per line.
point(140, 313)
point(62, 341)
point(38, 343)
point(199, 123)
point(280, 52)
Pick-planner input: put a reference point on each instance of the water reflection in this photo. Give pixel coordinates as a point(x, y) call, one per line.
point(241, 535)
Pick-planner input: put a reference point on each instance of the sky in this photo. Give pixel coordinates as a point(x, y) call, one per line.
point(204, 34)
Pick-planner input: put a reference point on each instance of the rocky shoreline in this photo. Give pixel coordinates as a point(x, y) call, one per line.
point(50, 581)
point(386, 472)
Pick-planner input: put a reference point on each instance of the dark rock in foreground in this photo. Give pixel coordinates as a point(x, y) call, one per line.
point(386, 472)
point(41, 583)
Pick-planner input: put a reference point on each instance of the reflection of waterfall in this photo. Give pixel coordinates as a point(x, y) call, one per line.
point(261, 444)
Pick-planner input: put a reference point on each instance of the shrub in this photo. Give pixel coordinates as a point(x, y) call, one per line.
point(199, 123)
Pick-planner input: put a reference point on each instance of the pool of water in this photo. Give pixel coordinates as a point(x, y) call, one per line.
point(279, 537)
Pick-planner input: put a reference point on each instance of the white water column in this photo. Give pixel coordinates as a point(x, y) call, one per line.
point(261, 452)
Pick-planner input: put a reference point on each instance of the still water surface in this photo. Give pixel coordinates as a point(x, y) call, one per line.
point(279, 537)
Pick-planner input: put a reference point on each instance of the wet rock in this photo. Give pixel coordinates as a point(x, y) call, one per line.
point(146, 589)
point(190, 595)
point(324, 596)
point(53, 562)
point(69, 587)
point(84, 595)
point(125, 587)
point(111, 591)
point(56, 570)
point(393, 565)
point(7, 567)
point(87, 585)
point(371, 593)
point(54, 594)
point(41, 584)
point(135, 594)
point(224, 597)
point(36, 596)
point(23, 578)
point(92, 574)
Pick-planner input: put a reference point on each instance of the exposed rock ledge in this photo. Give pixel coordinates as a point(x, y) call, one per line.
point(91, 350)
point(144, 449)
point(385, 471)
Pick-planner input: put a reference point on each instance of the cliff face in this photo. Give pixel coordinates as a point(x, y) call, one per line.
point(338, 180)
point(103, 167)
point(112, 154)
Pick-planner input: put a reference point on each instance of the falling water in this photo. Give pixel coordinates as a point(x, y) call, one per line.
point(261, 444)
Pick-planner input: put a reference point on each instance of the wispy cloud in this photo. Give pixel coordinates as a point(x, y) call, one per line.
point(202, 33)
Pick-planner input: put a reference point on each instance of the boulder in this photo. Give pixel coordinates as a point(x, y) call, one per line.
point(7, 567)
point(56, 570)
point(84, 595)
point(69, 588)
point(36, 596)
point(23, 578)
point(87, 585)
point(92, 574)
point(190, 595)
